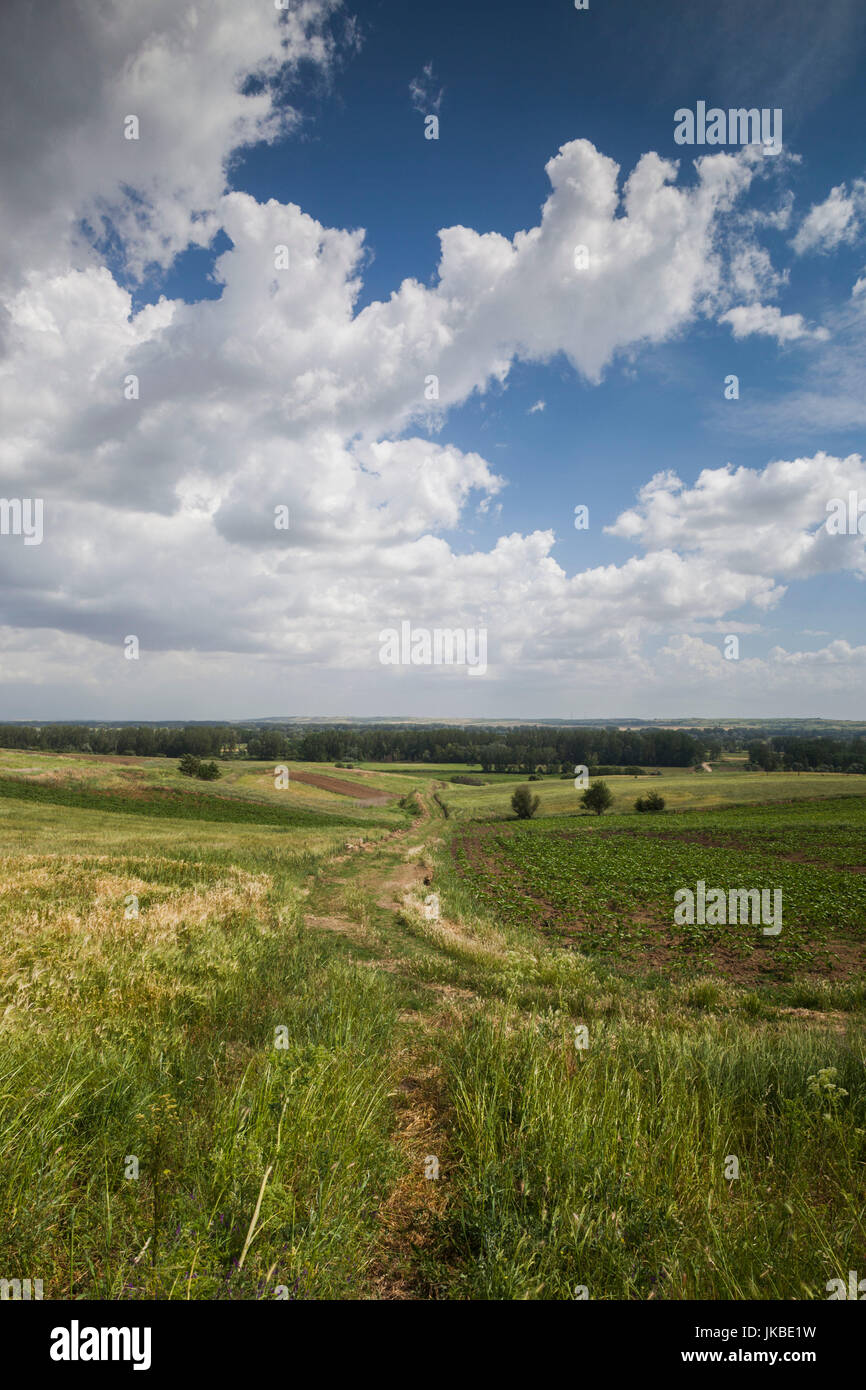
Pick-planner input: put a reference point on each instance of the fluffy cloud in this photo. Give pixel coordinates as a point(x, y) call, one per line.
point(835, 222)
point(754, 682)
point(282, 362)
point(751, 522)
point(769, 320)
point(202, 80)
point(160, 508)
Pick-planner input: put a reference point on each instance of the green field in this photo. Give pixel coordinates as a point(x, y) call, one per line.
point(609, 888)
point(331, 1091)
point(681, 789)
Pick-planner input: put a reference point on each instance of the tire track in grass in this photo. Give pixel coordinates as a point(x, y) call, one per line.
point(413, 1210)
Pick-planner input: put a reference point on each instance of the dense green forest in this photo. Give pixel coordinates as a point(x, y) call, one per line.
point(497, 750)
point(521, 749)
point(144, 741)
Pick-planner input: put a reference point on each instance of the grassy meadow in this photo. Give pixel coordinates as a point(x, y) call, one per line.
point(262, 1042)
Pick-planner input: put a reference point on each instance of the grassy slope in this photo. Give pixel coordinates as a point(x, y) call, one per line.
point(681, 790)
point(245, 792)
point(154, 1037)
point(407, 1037)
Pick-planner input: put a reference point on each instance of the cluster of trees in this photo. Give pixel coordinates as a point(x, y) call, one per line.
point(269, 745)
point(524, 750)
point(597, 798)
point(735, 736)
point(191, 766)
point(788, 753)
point(521, 750)
point(143, 741)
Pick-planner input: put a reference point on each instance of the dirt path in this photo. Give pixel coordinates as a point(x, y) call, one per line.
point(408, 1216)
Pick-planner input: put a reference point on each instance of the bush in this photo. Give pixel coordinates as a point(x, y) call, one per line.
point(597, 798)
point(189, 765)
point(535, 777)
point(524, 804)
point(651, 802)
point(466, 779)
point(208, 772)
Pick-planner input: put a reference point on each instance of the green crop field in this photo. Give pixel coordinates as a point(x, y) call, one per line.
point(246, 1054)
point(609, 888)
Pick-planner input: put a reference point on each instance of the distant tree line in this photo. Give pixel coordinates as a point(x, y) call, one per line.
point(738, 736)
point(504, 750)
point(494, 750)
point(143, 741)
point(523, 750)
point(785, 753)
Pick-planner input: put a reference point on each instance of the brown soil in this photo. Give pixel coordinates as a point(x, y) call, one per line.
point(369, 795)
point(664, 953)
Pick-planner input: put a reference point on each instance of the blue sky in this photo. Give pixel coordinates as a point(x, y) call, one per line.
point(151, 257)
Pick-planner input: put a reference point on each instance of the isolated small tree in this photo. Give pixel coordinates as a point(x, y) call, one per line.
point(523, 803)
point(597, 797)
point(208, 772)
point(651, 802)
point(189, 765)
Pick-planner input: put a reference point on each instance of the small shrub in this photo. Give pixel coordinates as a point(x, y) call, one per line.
point(651, 802)
point(524, 804)
point(597, 798)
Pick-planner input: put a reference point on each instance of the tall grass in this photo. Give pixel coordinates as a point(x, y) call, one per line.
point(149, 1042)
point(605, 1167)
point(153, 1039)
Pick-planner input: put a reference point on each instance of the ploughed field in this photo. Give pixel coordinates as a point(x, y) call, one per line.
point(606, 886)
